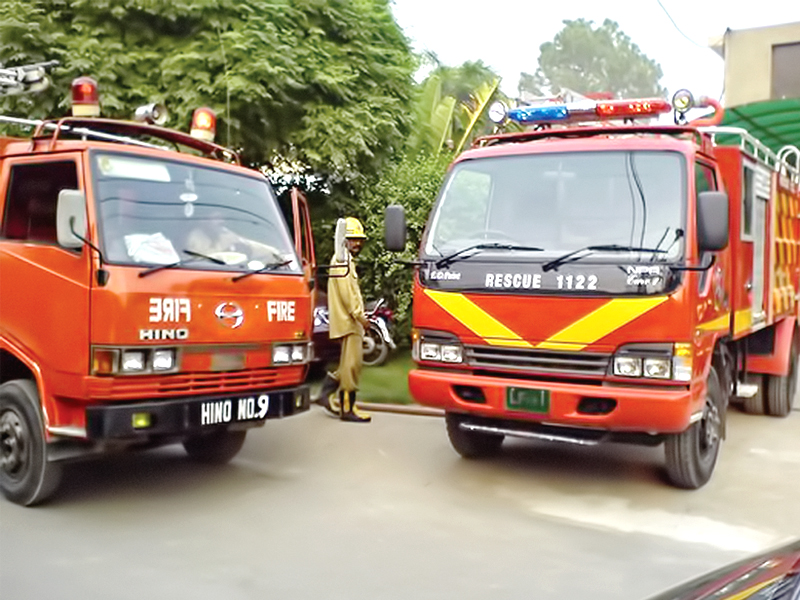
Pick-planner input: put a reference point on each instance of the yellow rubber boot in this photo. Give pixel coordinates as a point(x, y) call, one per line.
point(349, 412)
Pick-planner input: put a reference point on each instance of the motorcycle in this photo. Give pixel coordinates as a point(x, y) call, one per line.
point(378, 338)
point(377, 342)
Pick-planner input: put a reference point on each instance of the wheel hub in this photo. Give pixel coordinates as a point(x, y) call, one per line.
point(368, 344)
point(13, 443)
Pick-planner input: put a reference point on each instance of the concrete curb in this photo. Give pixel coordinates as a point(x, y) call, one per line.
point(402, 409)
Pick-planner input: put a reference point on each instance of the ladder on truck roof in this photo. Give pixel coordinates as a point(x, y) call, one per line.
point(25, 78)
point(777, 161)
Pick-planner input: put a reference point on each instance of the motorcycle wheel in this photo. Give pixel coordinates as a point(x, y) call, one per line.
point(375, 349)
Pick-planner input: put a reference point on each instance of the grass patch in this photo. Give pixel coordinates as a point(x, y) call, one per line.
point(388, 383)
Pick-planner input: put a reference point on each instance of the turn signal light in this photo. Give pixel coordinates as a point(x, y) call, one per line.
point(85, 98)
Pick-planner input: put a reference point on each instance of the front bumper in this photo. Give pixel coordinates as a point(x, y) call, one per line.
point(635, 409)
point(169, 418)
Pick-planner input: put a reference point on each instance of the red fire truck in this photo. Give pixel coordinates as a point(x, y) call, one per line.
point(595, 277)
point(151, 293)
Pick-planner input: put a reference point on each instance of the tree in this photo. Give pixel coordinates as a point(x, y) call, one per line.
point(325, 85)
point(588, 59)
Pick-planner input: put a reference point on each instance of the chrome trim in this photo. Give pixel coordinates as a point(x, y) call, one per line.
point(68, 431)
point(549, 437)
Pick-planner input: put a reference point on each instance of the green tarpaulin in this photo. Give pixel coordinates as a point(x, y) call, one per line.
point(775, 122)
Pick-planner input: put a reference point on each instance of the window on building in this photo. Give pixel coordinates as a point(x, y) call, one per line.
point(785, 74)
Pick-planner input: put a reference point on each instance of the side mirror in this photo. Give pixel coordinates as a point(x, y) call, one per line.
point(71, 218)
point(395, 228)
point(712, 221)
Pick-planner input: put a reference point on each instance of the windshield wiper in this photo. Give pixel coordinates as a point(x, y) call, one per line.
point(583, 252)
point(264, 269)
point(458, 254)
point(193, 256)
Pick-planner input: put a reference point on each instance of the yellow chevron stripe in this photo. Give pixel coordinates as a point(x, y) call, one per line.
point(742, 320)
point(720, 323)
point(477, 320)
point(587, 330)
point(599, 323)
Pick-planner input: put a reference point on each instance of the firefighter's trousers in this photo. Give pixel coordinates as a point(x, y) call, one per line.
point(350, 362)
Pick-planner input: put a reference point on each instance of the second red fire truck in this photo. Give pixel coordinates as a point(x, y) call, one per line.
point(596, 278)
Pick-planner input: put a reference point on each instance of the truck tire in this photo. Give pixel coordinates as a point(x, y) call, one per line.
point(756, 404)
point(26, 476)
point(692, 454)
point(780, 391)
point(215, 448)
point(471, 444)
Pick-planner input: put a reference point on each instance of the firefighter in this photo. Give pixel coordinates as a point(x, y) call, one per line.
point(347, 322)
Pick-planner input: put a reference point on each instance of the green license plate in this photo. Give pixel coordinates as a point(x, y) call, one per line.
point(524, 399)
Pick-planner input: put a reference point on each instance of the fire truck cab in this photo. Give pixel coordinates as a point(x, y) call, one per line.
point(597, 278)
point(150, 293)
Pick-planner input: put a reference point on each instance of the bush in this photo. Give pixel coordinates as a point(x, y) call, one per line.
point(413, 182)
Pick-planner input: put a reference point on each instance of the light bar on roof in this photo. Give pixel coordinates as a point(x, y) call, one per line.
point(588, 111)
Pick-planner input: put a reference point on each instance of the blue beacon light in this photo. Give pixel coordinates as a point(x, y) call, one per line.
point(539, 114)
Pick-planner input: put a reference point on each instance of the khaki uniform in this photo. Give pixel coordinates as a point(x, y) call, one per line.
point(345, 308)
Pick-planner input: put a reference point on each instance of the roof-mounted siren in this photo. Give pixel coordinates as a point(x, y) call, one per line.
point(204, 124)
point(85, 99)
point(154, 114)
point(498, 111)
point(683, 102)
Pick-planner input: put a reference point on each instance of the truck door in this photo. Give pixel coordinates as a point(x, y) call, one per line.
point(44, 296)
point(303, 237)
point(755, 195)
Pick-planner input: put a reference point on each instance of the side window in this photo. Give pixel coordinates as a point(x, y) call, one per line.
point(704, 178)
point(30, 213)
point(748, 194)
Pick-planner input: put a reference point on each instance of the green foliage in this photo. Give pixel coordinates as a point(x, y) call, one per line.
point(413, 182)
point(325, 84)
point(450, 107)
point(585, 59)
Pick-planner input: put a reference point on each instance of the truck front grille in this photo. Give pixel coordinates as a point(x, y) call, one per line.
point(530, 361)
point(193, 384)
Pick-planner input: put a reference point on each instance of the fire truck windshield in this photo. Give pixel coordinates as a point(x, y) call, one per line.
point(163, 212)
point(564, 202)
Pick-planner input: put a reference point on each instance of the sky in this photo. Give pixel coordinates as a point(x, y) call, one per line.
point(506, 36)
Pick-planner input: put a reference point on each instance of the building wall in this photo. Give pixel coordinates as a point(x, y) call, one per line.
point(748, 61)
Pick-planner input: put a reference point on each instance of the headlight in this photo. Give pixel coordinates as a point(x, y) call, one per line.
point(163, 359)
point(429, 346)
point(281, 355)
point(654, 361)
point(299, 353)
point(133, 361)
point(291, 354)
point(658, 368)
point(627, 366)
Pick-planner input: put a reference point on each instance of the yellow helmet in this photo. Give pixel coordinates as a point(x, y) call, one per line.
point(354, 228)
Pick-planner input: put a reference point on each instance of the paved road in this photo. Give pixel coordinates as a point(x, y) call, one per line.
point(314, 508)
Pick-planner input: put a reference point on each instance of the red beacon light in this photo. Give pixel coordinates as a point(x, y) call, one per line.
point(85, 99)
point(204, 124)
point(629, 109)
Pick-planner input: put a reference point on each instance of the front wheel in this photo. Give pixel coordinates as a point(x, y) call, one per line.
point(471, 444)
point(26, 476)
point(215, 448)
point(692, 454)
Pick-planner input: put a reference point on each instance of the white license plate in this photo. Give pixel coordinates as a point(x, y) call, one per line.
point(234, 410)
